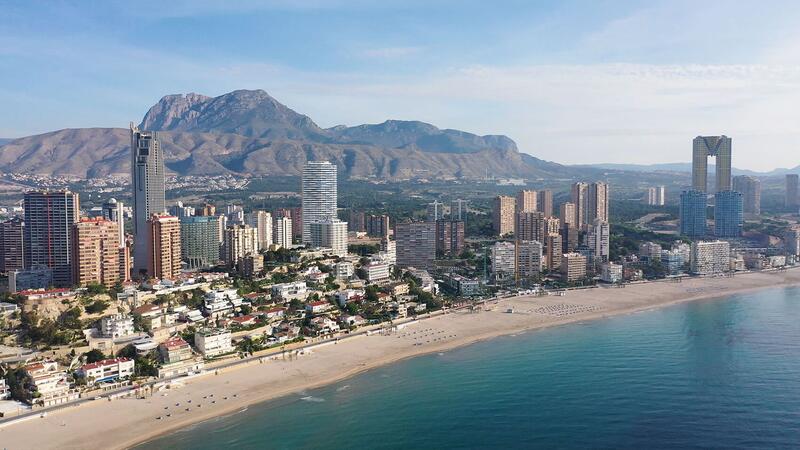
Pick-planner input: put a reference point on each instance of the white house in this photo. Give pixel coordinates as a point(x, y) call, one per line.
point(290, 291)
point(213, 341)
point(107, 370)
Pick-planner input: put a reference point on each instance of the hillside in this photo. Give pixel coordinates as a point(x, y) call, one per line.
point(251, 133)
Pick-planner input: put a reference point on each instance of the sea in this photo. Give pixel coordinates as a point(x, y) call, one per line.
point(708, 374)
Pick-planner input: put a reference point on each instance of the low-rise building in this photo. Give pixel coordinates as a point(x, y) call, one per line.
point(345, 296)
point(116, 326)
point(377, 272)
point(318, 307)
point(287, 292)
point(463, 286)
point(47, 384)
point(344, 270)
point(611, 272)
point(322, 325)
point(107, 370)
point(5, 391)
point(212, 342)
point(177, 358)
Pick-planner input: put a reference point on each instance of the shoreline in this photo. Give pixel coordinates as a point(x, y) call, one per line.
point(258, 382)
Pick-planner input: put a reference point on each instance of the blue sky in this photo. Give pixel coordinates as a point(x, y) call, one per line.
point(570, 81)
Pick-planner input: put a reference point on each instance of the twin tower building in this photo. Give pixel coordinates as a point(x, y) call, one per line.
point(728, 204)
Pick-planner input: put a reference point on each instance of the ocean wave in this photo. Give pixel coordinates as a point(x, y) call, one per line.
point(311, 398)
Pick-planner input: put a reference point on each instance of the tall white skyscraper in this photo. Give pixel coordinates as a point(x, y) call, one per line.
point(282, 232)
point(262, 222)
point(319, 195)
point(147, 181)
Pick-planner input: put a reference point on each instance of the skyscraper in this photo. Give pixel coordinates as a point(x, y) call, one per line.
point(728, 215)
point(262, 222)
point(47, 237)
point(527, 201)
point(529, 258)
point(720, 148)
point(530, 226)
point(114, 211)
point(503, 215)
point(598, 238)
point(598, 203)
point(792, 192)
point(580, 198)
point(282, 232)
point(416, 244)
point(750, 187)
point(319, 192)
point(147, 181)
point(544, 202)
point(95, 252)
point(330, 234)
point(238, 242)
point(566, 213)
point(449, 237)
point(655, 196)
point(377, 226)
point(693, 213)
point(163, 247)
point(199, 241)
point(11, 245)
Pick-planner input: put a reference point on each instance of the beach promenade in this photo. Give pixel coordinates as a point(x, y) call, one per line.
point(124, 422)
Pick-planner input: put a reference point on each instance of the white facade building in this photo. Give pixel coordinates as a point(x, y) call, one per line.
point(319, 195)
point(503, 258)
point(377, 272)
point(332, 234)
point(213, 341)
point(710, 257)
point(282, 232)
point(261, 221)
point(117, 325)
point(290, 291)
point(107, 370)
point(611, 272)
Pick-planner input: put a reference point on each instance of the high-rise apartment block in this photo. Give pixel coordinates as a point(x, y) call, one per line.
point(655, 196)
point(718, 147)
point(693, 213)
point(458, 210)
point(792, 200)
point(791, 242)
point(504, 260)
point(598, 238)
point(239, 241)
point(377, 225)
point(503, 215)
point(580, 198)
point(530, 226)
point(95, 252)
point(282, 232)
point(47, 236)
point(710, 257)
point(573, 267)
point(529, 258)
point(11, 245)
point(416, 244)
point(330, 234)
point(147, 181)
point(566, 213)
point(598, 203)
point(544, 202)
point(114, 211)
point(199, 241)
point(449, 237)
point(319, 194)
point(553, 251)
point(750, 187)
point(527, 201)
point(262, 222)
point(728, 215)
point(164, 247)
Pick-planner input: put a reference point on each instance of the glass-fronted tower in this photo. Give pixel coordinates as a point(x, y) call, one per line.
point(319, 195)
point(147, 181)
point(728, 214)
point(693, 213)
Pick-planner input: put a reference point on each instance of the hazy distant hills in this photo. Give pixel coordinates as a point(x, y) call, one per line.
point(681, 167)
point(251, 133)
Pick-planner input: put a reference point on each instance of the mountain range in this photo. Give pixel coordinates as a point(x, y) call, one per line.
point(247, 132)
point(683, 168)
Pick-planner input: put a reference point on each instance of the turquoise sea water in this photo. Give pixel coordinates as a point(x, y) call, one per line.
point(710, 374)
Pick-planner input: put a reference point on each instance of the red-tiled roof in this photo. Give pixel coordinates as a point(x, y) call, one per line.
point(319, 303)
point(105, 362)
point(40, 291)
point(173, 342)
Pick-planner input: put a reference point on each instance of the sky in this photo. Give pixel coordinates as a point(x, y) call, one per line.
point(574, 82)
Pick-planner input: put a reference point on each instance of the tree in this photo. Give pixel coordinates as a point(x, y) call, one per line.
point(95, 289)
point(96, 307)
point(94, 355)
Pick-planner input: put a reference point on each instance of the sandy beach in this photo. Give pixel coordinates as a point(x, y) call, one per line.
point(125, 422)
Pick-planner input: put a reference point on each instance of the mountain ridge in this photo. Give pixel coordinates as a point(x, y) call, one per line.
point(250, 133)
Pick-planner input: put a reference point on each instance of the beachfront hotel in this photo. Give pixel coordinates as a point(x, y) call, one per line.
point(710, 257)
